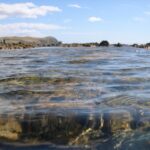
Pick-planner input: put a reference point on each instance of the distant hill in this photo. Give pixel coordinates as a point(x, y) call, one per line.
point(26, 42)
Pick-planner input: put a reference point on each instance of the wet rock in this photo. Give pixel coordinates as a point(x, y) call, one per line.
point(90, 132)
point(10, 128)
point(48, 146)
point(117, 120)
point(52, 127)
point(144, 120)
point(65, 126)
point(80, 61)
point(87, 137)
point(29, 80)
point(136, 140)
point(56, 128)
point(124, 141)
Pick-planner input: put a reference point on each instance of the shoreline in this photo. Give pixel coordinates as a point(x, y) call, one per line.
point(13, 43)
point(12, 49)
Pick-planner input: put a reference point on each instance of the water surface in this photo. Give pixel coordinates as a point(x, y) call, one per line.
point(75, 98)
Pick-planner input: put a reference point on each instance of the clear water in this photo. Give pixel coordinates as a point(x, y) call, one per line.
point(75, 98)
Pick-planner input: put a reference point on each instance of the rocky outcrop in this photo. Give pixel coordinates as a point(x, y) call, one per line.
point(104, 43)
point(118, 119)
point(73, 127)
point(146, 46)
point(27, 42)
point(10, 128)
point(118, 45)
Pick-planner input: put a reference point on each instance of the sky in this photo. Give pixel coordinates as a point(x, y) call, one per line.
point(125, 21)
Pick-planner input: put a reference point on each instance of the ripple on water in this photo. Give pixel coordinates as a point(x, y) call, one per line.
point(95, 98)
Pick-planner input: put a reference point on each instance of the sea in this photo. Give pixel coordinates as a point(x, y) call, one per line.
point(76, 98)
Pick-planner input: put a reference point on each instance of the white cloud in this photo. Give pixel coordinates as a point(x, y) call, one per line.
point(147, 12)
point(75, 6)
point(67, 20)
point(81, 33)
point(139, 19)
point(32, 29)
point(95, 19)
point(25, 10)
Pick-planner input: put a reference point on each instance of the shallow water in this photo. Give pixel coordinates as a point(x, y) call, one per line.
point(75, 98)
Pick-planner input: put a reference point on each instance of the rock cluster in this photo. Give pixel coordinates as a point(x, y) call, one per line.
point(27, 42)
point(71, 128)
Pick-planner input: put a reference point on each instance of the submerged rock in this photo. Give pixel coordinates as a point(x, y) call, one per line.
point(118, 119)
point(10, 128)
point(70, 126)
point(144, 120)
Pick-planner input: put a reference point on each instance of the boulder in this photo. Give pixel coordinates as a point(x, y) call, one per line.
point(10, 128)
point(104, 43)
point(117, 120)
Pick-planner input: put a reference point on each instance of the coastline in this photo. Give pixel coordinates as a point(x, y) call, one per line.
point(27, 42)
point(21, 43)
point(62, 46)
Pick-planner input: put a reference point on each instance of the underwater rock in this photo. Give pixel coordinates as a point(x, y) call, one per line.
point(136, 140)
point(65, 126)
point(117, 119)
point(10, 128)
point(144, 120)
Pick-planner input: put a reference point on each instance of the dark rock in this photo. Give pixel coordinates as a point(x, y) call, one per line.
point(135, 45)
point(115, 120)
point(104, 43)
point(144, 120)
point(118, 45)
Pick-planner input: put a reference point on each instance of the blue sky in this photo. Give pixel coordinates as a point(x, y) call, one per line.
point(125, 21)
